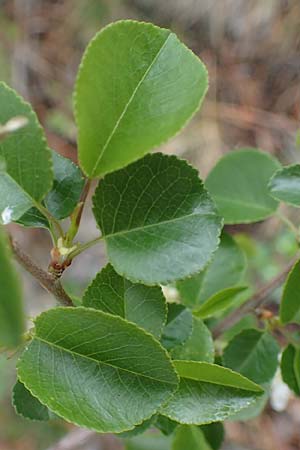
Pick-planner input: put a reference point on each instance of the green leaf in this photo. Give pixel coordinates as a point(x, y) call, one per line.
point(33, 218)
point(179, 326)
point(198, 347)
point(290, 370)
point(285, 185)
point(254, 354)
point(27, 405)
point(11, 312)
point(25, 160)
point(219, 302)
point(139, 429)
point(214, 434)
point(150, 441)
point(239, 185)
point(208, 393)
point(191, 438)
point(290, 301)
point(226, 270)
point(143, 305)
point(137, 86)
point(255, 409)
point(157, 220)
point(67, 186)
point(96, 370)
point(165, 425)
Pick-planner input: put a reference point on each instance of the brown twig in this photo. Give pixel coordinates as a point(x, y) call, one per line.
point(254, 302)
point(80, 438)
point(45, 279)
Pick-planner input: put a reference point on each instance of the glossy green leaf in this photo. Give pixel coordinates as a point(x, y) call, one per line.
point(191, 438)
point(214, 434)
point(11, 313)
point(226, 270)
point(67, 186)
point(219, 302)
point(290, 370)
point(285, 185)
point(290, 301)
point(150, 441)
point(143, 305)
point(198, 347)
point(239, 185)
point(137, 86)
point(157, 220)
point(165, 425)
point(208, 393)
point(96, 370)
point(254, 354)
point(179, 326)
point(27, 405)
point(25, 160)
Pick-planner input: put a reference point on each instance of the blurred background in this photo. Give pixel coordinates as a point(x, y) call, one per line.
point(252, 52)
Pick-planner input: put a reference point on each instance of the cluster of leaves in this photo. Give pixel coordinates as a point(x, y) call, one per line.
point(126, 359)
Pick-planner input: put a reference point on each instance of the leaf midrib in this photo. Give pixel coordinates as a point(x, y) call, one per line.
point(145, 227)
point(102, 362)
point(250, 354)
point(127, 106)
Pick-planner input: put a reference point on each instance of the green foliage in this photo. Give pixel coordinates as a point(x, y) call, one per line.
point(208, 393)
point(137, 86)
point(225, 270)
point(190, 437)
point(290, 368)
point(179, 326)
point(25, 160)
point(198, 347)
point(95, 369)
point(11, 313)
point(254, 354)
point(143, 305)
point(285, 185)
point(134, 353)
point(27, 405)
point(290, 302)
point(219, 302)
point(239, 186)
point(170, 220)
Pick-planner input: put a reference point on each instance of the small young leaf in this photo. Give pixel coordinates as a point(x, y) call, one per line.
point(143, 305)
point(11, 314)
point(191, 438)
point(219, 302)
point(290, 301)
point(67, 186)
point(225, 270)
point(288, 367)
point(239, 185)
point(285, 185)
point(96, 370)
point(27, 405)
point(254, 354)
point(26, 168)
point(179, 326)
point(137, 86)
point(149, 441)
point(208, 393)
point(214, 434)
point(198, 347)
point(158, 221)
